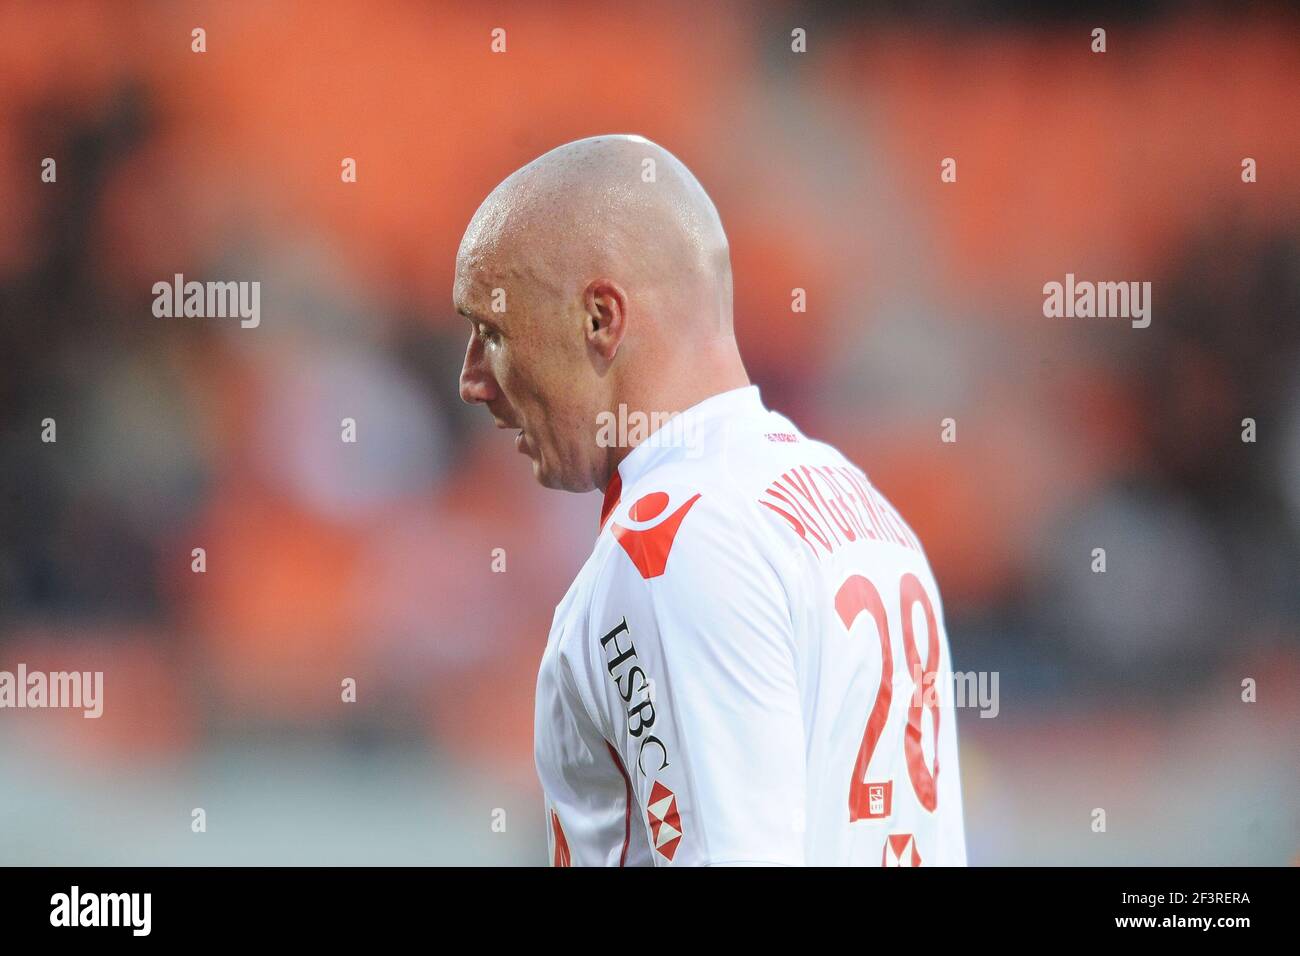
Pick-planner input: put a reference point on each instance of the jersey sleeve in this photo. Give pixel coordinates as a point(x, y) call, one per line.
point(693, 671)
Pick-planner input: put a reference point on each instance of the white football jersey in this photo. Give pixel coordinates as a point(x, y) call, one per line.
point(749, 668)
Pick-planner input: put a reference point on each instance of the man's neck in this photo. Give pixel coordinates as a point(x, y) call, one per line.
point(687, 389)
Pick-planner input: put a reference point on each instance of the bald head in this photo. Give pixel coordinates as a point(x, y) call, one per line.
point(598, 275)
point(616, 206)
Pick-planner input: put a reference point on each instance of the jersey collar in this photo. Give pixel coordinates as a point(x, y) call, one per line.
point(701, 421)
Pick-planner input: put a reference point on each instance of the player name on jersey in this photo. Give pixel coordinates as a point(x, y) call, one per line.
point(829, 506)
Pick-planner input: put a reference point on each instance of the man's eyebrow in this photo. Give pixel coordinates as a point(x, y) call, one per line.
point(474, 319)
point(477, 320)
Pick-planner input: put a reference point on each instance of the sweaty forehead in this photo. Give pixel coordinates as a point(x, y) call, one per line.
point(519, 259)
point(470, 290)
point(479, 269)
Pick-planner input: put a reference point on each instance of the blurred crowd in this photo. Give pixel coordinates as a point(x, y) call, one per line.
point(373, 559)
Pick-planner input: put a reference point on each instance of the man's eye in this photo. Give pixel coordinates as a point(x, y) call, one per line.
point(486, 334)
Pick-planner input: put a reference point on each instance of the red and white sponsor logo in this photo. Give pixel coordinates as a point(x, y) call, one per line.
point(900, 850)
point(665, 824)
point(647, 535)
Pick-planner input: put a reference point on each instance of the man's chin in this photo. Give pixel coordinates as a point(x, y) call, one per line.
point(555, 481)
point(544, 476)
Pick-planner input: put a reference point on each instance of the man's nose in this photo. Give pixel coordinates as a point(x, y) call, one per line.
point(477, 386)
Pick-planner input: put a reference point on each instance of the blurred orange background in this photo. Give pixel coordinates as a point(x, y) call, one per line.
point(372, 560)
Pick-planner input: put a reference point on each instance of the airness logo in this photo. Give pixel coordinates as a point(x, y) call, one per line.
point(647, 536)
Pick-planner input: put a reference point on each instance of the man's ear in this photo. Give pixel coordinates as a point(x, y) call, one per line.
point(605, 304)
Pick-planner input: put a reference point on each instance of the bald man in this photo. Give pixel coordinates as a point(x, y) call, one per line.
point(752, 666)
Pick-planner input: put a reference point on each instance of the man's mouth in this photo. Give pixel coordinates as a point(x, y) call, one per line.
point(521, 440)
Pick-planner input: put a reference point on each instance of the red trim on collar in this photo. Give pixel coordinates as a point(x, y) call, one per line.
point(613, 493)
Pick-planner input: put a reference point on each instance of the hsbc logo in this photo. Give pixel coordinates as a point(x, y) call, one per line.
point(636, 689)
point(900, 850)
point(665, 823)
point(631, 680)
